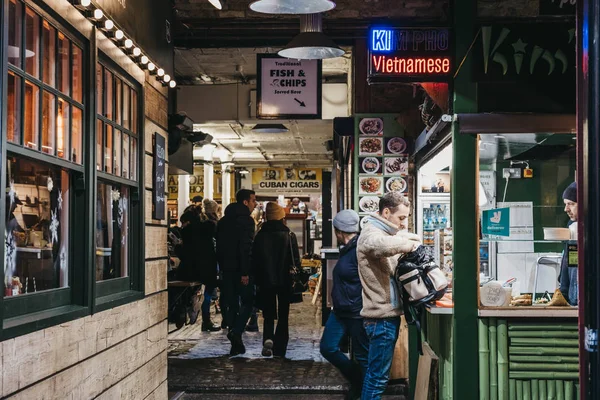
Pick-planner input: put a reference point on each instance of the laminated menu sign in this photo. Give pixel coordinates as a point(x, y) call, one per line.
point(496, 222)
point(158, 191)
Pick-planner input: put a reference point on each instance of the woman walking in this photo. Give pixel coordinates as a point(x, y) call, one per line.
point(346, 295)
point(274, 253)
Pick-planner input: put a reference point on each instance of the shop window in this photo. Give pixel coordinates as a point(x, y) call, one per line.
point(14, 33)
point(32, 42)
point(64, 57)
point(37, 227)
point(13, 110)
point(49, 53)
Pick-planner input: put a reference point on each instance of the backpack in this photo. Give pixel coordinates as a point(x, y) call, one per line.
point(420, 281)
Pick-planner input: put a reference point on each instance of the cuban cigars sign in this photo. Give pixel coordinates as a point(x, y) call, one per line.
point(288, 88)
point(409, 54)
point(287, 180)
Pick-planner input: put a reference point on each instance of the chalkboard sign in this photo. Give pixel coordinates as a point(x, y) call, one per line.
point(158, 191)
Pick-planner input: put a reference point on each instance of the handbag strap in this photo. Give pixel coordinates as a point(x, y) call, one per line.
point(291, 250)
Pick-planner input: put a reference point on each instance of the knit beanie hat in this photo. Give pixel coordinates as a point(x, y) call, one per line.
point(570, 192)
point(346, 221)
point(210, 206)
point(274, 211)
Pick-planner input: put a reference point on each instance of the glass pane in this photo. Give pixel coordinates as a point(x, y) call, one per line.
point(32, 43)
point(108, 149)
point(134, 160)
point(108, 88)
point(13, 112)
point(32, 121)
point(64, 55)
point(77, 74)
point(99, 90)
point(76, 136)
point(48, 123)
point(14, 33)
point(126, 106)
point(118, 106)
point(125, 156)
point(62, 129)
point(37, 227)
point(112, 229)
point(134, 112)
point(99, 146)
point(49, 48)
point(117, 152)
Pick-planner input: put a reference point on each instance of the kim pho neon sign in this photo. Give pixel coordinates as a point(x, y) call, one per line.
point(409, 54)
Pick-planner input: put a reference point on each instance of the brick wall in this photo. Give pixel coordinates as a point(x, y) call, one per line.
point(116, 354)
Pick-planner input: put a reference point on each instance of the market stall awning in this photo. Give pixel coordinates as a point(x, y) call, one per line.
point(516, 123)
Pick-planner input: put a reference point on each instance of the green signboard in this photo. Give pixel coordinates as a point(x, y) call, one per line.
point(496, 222)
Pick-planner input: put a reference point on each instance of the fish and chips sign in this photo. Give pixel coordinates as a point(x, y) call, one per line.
point(287, 180)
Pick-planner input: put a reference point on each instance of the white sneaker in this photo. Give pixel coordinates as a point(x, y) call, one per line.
point(267, 350)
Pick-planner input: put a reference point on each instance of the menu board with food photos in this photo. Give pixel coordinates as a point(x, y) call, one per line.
point(381, 161)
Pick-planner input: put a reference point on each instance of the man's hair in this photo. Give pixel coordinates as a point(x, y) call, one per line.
point(244, 195)
point(393, 200)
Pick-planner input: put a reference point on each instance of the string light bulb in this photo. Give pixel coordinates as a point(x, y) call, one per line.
point(98, 14)
point(85, 3)
point(151, 67)
point(172, 84)
point(119, 34)
point(160, 72)
point(166, 78)
point(144, 60)
point(137, 51)
point(128, 43)
point(109, 25)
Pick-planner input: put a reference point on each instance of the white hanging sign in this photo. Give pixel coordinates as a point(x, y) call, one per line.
point(288, 89)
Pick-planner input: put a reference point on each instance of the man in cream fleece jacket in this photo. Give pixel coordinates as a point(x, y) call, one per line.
point(382, 241)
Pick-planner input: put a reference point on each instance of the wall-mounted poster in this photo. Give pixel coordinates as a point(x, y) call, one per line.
point(395, 184)
point(371, 146)
point(396, 166)
point(395, 145)
point(370, 165)
point(371, 126)
point(368, 204)
point(370, 185)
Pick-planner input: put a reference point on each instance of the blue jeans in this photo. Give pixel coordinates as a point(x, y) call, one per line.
point(209, 292)
point(382, 334)
point(335, 329)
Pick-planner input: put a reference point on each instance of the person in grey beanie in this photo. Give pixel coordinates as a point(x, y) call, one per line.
point(568, 273)
point(346, 296)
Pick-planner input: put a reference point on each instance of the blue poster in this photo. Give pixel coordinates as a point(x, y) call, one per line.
point(496, 222)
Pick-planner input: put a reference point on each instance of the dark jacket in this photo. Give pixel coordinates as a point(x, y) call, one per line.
point(346, 293)
point(272, 255)
point(198, 256)
point(235, 232)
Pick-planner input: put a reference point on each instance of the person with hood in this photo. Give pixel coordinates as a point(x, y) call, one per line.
point(198, 256)
point(346, 295)
point(274, 253)
point(383, 240)
point(568, 273)
point(235, 234)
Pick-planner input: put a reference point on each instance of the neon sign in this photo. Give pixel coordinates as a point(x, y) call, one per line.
point(409, 54)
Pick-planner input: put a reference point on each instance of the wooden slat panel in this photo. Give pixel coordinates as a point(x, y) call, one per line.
point(156, 276)
point(149, 172)
point(156, 106)
point(91, 377)
point(161, 392)
point(148, 211)
point(156, 242)
point(142, 382)
point(33, 357)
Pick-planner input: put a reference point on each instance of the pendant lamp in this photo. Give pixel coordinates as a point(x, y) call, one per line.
point(311, 43)
point(270, 128)
point(292, 6)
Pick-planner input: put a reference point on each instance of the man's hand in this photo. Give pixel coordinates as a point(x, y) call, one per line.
point(245, 280)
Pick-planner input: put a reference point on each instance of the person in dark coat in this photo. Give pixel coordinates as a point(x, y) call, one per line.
point(346, 296)
point(274, 253)
point(568, 278)
point(235, 234)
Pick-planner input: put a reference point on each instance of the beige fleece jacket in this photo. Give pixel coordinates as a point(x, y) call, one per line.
point(378, 253)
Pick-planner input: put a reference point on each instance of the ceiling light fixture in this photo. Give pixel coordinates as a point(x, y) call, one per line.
point(270, 128)
point(311, 43)
point(244, 171)
point(205, 78)
point(216, 3)
point(292, 6)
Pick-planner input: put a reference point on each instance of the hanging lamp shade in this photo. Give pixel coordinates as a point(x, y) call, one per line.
point(269, 128)
point(311, 43)
point(292, 6)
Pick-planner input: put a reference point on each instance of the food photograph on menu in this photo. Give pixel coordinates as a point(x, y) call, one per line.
point(370, 165)
point(396, 166)
point(371, 126)
point(370, 185)
point(395, 145)
point(368, 204)
point(370, 146)
point(396, 184)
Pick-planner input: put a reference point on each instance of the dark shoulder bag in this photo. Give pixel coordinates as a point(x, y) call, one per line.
point(297, 287)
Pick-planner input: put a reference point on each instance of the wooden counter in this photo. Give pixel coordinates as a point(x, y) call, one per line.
point(530, 312)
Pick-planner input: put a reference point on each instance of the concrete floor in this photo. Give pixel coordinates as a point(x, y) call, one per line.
point(200, 366)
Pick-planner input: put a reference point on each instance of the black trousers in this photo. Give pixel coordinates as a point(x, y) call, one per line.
point(275, 304)
point(239, 299)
